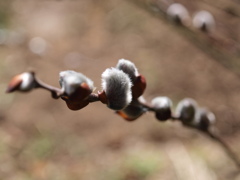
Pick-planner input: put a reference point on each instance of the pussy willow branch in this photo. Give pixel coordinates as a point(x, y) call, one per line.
point(57, 93)
point(215, 47)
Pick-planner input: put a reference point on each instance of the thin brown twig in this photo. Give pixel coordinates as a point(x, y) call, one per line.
point(217, 139)
point(147, 107)
point(227, 149)
point(56, 92)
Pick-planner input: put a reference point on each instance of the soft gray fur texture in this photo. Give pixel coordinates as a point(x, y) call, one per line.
point(161, 102)
point(186, 110)
point(70, 80)
point(117, 86)
point(129, 68)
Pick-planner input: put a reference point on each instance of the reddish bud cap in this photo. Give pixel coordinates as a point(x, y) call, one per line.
point(139, 87)
point(80, 93)
point(76, 105)
point(14, 84)
point(102, 97)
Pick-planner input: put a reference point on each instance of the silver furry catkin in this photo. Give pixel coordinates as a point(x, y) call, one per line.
point(162, 106)
point(138, 81)
point(204, 119)
point(186, 110)
point(129, 68)
point(117, 87)
point(76, 89)
point(178, 13)
point(70, 81)
point(204, 21)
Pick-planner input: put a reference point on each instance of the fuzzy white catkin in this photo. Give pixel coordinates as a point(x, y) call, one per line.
point(204, 113)
point(133, 111)
point(177, 11)
point(204, 20)
point(211, 117)
point(161, 102)
point(128, 67)
point(28, 81)
point(117, 87)
point(186, 109)
point(71, 80)
point(162, 107)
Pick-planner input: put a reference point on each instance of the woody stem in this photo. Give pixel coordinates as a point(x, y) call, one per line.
point(56, 92)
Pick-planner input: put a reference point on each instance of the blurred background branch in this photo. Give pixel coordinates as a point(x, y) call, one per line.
point(222, 44)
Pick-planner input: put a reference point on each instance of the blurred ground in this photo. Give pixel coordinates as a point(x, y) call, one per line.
point(41, 139)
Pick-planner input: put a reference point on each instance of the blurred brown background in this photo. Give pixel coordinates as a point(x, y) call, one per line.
point(40, 138)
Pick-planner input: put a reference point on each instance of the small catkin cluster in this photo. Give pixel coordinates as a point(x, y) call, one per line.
point(122, 87)
point(192, 115)
point(201, 20)
point(187, 111)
